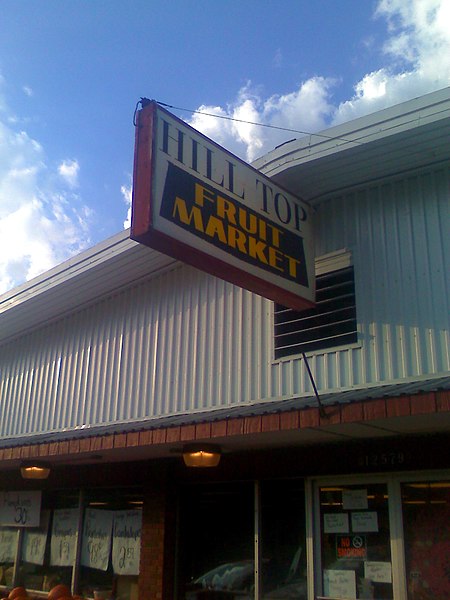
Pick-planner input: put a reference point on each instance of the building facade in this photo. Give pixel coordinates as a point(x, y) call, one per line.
point(332, 423)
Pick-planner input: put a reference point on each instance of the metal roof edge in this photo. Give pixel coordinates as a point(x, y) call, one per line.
point(116, 244)
point(359, 131)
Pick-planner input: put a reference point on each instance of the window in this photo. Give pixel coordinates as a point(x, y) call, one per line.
point(105, 565)
point(426, 519)
point(331, 323)
point(216, 555)
point(218, 527)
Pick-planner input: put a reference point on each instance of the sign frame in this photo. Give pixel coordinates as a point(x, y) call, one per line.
point(285, 271)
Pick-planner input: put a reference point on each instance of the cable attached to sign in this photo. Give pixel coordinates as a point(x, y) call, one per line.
point(322, 412)
point(145, 101)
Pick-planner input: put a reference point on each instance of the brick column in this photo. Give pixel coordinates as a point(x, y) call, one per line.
point(153, 566)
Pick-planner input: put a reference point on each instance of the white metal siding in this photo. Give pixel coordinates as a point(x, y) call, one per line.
point(185, 341)
point(181, 342)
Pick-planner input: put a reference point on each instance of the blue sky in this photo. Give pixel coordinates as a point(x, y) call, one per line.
point(71, 72)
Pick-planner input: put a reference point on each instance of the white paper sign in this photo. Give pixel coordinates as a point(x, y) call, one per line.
point(335, 523)
point(354, 499)
point(8, 544)
point(64, 537)
point(377, 571)
point(20, 509)
point(35, 540)
point(127, 542)
point(96, 543)
point(364, 521)
point(339, 584)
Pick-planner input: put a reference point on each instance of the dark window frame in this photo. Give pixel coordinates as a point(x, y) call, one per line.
point(330, 324)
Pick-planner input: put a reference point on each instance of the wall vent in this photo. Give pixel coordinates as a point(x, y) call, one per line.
point(331, 323)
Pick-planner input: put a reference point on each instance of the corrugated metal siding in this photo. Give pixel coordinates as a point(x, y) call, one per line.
point(398, 234)
point(185, 342)
point(181, 342)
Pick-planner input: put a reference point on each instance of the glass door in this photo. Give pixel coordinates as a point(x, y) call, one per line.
point(355, 541)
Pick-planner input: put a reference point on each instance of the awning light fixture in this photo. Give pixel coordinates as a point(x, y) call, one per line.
point(201, 455)
point(35, 470)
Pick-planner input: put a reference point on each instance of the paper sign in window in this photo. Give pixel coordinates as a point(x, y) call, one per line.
point(35, 541)
point(354, 499)
point(339, 584)
point(335, 523)
point(378, 571)
point(8, 544)
point(96, 544)
point(64, 537)
point(20, 509)
point(126, 542)
point(364, 521)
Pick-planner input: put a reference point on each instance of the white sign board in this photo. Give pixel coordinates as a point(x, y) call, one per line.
point(335, 523)
point(365, 521)
point(197, 202)
point(127, 542)
point(96, 544)
point(378, 571)
point(64, 537)
point(20, 509)
point(340, 584)
point(35, 540)
point(8, 544)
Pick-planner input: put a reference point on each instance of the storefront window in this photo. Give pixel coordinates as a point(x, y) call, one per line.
point(216, 554)
point(110, 545)
point(104, 566)
point(426, 522)
point(355, 542)
point(218, 528)
point(9, 539)
point(48, 551)
point(283, 540)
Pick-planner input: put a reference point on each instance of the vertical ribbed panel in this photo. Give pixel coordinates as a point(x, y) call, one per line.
point(399, 238)
point(186, 341)
point(181, 342)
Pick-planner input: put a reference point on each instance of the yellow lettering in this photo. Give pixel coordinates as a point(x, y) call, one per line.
point(185, 217)
point(226, 209)
point(237, 239)
point(202, 194)
point(256, 249)
point(215, 228)
point(292, 263)
point(262, 230)
point(248, 222)
point(275, 256)
point(275, 236)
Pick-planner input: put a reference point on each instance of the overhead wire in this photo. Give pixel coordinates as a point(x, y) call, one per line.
point(144, 101)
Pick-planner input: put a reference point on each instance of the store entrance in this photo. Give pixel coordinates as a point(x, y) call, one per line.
point(355, 541)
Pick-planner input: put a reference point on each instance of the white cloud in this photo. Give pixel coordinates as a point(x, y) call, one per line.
point(42, 221)
point(417, 61)
point(127, 191)
point(68, 169)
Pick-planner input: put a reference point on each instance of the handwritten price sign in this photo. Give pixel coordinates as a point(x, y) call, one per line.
point(20, 509)
point(96, 544)
point(126, 542)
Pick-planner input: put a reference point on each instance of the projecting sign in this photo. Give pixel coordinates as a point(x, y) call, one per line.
point(198, 203)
